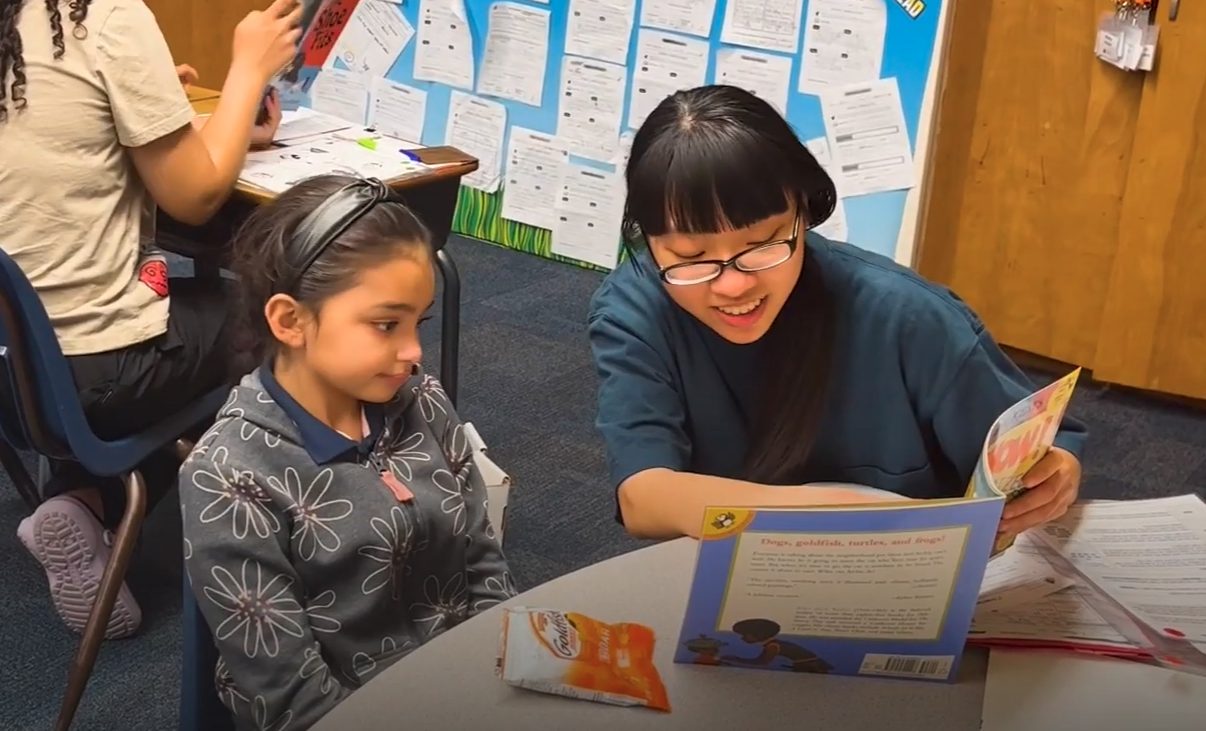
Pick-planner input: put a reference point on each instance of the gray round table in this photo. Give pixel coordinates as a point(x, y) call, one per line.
point(449, 683)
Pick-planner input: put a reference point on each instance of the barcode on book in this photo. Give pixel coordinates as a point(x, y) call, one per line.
point(937, 667)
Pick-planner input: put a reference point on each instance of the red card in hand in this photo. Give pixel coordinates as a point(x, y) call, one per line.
point(400, 491)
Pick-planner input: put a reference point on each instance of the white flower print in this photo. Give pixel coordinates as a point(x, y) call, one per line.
point(264, 722)
point(444, 604)
point(188, 545)
point(392, 552)
point(408, 451)
point(459, 455)
point(257, 603)
point(202, 447)
point(311, 513)
point(238, 496)
point(224, 684)
point(320, 622)
point(431, 397)
point(364, 663)
point(500, 586)
point(315, 665)
point(454, 502)
point(249, 431)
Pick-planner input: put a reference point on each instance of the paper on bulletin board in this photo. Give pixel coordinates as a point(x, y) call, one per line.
point(517, 49)
point(373, 39)
point(835, 228)
point(843, 43)
point(693, 17)
point(868, 139)
point(444, 53)
point(478, 127)
point(773, 25)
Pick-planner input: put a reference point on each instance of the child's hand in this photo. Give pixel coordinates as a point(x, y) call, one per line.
point(187, 75)
point(262, 134)
point(265, 41)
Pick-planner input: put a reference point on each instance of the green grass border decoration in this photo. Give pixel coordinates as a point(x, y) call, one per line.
point(479, 216)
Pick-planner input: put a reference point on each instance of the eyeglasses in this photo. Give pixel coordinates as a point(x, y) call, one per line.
point(760, 258)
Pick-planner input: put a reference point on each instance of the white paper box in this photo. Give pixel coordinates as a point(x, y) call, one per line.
point(498, 483)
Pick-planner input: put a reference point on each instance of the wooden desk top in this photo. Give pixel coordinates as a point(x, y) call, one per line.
point(453, 164)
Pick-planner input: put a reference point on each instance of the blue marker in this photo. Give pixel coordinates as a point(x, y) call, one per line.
point(410, 155)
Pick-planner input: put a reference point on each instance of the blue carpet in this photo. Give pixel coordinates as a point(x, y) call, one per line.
point(528, 384)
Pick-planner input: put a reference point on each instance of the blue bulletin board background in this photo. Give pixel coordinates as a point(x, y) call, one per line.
point(874, 221)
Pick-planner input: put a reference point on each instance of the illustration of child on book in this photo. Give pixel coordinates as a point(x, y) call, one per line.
point(765, 632)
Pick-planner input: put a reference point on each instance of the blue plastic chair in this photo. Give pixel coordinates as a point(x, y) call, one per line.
point(200, 707)
point(40, 412)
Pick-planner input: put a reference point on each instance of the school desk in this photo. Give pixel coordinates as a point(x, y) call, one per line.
point(450, 682)
point(432, 196)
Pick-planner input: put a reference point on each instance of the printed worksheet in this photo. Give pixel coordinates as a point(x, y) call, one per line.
point(592, 104)
point(298, 124)
point(835, 227)
point(766, 75)
point(342, 94)
point(535, 164)
point(373, 39)
point(516, 55)
point(397, 110)
point(665, 63)
point(589, 206)
point(868, 139)
point(773, 25)
point(600, 29)
point(685, 16)
point(843, 43)
point(478, 126)
point(444, 53)
point(1149, 556)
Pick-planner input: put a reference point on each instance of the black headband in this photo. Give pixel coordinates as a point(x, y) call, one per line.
point(329, 221)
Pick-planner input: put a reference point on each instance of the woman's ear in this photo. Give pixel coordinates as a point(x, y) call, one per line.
point(286, 319)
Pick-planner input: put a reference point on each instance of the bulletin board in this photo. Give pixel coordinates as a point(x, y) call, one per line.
point(889, 44)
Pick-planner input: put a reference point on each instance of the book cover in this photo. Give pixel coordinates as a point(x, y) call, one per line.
point(321, 23)
point(1018, 439)
point(874, 590)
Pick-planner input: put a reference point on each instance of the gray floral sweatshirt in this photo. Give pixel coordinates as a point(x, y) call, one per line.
point(317, 567)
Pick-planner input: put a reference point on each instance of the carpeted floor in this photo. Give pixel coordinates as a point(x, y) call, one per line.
point(528, 385)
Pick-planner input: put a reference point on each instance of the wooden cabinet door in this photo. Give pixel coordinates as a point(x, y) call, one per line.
point(1153, 328)
point(1024, 207)
point(200, 32)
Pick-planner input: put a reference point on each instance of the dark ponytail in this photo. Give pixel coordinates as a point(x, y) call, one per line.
point(12, 58)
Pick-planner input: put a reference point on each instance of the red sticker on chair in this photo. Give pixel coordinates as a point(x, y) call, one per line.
point(154, 274)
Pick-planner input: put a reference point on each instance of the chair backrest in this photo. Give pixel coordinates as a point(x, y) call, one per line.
point(200, 707)
point(44, 410)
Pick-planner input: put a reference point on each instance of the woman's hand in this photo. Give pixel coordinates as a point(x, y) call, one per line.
point(265, 41)
point(187, 75)
point(262, 134)
point(1051, 486)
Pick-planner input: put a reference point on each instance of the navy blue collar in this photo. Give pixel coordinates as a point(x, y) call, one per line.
point(321, 442)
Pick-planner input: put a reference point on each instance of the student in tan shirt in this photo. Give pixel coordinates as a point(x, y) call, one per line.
point(95, 126)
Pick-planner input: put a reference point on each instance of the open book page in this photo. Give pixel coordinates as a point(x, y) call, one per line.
point(1046, 691)
point(882, 589)
point(1148, 558)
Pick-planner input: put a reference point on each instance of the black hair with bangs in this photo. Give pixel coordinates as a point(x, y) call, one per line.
point(718, 158)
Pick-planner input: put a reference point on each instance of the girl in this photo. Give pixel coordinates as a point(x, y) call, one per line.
point(94, 128)
point(739, 351)
point(333, 519)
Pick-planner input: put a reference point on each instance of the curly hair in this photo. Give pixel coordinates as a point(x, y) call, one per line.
point(12, 60)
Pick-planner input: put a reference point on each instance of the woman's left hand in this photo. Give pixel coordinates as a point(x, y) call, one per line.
point(1051, 486)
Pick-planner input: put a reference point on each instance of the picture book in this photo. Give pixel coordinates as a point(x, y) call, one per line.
point(1017, 440)
point(321, 23)
point(877, 589)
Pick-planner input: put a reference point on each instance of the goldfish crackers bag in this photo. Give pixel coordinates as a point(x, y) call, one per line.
point(570, 654)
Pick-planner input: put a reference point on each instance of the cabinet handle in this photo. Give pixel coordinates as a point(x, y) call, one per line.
point(1172, 10)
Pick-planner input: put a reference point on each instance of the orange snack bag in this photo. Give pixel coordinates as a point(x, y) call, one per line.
point(570, 654)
